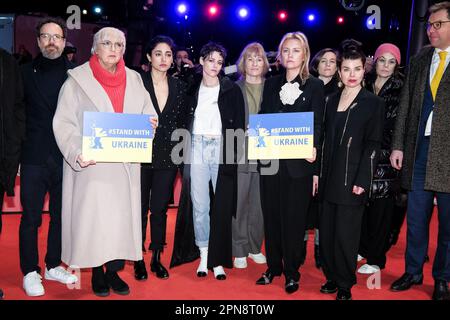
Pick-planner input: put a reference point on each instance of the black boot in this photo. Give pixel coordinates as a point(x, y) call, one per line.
point(140, 272)
point(157, 267)
point(303, 257)
point(98, 281)
point(116, 284)
point(317, 256)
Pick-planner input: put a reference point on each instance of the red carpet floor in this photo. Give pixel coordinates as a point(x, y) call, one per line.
point(184, 285)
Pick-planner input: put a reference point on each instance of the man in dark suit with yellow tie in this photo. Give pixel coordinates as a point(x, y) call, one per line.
point(421, 148)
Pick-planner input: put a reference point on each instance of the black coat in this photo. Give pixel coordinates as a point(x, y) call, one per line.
point(386, 181)
point(40, 141)
point(349, 157)
point(171, 118)
point(223, 203)
point(312, 99)
point(12, 120)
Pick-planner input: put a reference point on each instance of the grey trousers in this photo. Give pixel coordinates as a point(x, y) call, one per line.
point(248, 226)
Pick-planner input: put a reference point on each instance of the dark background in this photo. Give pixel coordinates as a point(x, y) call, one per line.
point(263, 24)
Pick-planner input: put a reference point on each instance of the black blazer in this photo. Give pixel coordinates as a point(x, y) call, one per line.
point(40, 141)
point(171, 118)
point(312, 99)
point(349, 156)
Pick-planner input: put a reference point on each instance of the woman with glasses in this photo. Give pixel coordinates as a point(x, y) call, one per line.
point(386, 82)
point(208, 196)
point(101, 207)
point(352, 137)
point(158, 177)
point(285, 196)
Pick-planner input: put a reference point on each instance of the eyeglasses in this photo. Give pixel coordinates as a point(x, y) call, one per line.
point(109, 45)
point(436, 25)
point(48, 37)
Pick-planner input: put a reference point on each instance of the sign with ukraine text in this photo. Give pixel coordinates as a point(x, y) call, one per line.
point(117, 137)
point(281, 136)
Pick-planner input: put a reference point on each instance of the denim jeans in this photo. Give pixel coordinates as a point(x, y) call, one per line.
point(204, 168)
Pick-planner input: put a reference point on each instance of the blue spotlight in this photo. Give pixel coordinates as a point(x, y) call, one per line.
point(97, 10)
point(311, 17)
point(182, 8)
point(242, 12)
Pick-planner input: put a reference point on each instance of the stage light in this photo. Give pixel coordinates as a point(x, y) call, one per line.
point(84, 11)
point(369, 23)
point(282, 15)
point(340, 20)
point(97, 10)
point(243, 13)
point(182, 8)
point(311, 17)
point(213, 10)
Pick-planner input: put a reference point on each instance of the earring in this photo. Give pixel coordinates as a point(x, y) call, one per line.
point(363, 83)
point(340, 84)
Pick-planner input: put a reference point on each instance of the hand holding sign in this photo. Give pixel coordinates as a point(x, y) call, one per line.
point(83, 163)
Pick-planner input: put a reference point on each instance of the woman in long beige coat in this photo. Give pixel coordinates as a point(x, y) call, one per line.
point(101, 209)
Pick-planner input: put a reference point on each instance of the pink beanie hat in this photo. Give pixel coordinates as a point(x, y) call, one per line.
point(388, 47)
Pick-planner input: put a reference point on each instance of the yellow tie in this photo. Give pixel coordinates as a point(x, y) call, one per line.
point(439, 73)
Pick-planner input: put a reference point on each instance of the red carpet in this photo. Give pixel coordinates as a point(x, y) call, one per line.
point(183, 284)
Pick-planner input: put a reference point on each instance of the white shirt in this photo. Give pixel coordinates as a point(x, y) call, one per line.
point(435, 61)
point(207, 116)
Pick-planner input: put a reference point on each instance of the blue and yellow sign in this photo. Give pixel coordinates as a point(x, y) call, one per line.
point(281, 136)
point(117, 137)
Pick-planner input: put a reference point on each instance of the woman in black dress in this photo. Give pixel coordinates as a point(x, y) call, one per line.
point(285, 196)
point(353, 131)
point(168, 97)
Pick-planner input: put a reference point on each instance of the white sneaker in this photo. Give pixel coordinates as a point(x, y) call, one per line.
point(368, 269)
point(259, 258)
point(202, 269)
point(360, 258)
point(32, 284)
point(240, 263)
point(61, 275)
point(219, 273)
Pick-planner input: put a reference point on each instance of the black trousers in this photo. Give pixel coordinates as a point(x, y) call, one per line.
point(35, 182)
point(160, 184)
point(285, 202)
point(376, 225)
point(340, 228)
point(115, 265)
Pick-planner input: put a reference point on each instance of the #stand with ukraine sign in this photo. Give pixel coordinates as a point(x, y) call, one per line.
point(117, 137)
point(281, 136)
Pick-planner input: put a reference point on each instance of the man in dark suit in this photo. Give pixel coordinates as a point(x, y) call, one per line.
point(41, 163)
point(421, 148)
point(12, 125)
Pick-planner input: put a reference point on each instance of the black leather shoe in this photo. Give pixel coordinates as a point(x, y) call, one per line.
point(317, 256)
point(441, 290)
point(157, 267)
point(140, 272)
point(329, 287)
point(344, 294)
point(406, 281)
point(116, 284)
point(266, 278)
point(291, 286)
point(99, 285)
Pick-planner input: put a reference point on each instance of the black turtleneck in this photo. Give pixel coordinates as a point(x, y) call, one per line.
point(51, 74)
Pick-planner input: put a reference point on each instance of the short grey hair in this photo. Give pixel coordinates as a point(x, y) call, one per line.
point(100, 36)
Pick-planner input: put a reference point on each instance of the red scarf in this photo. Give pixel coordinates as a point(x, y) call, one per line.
point(113, 83)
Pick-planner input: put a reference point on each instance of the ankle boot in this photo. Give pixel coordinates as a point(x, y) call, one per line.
point(157, 267)
point(202, 269)
point(98, 281)
point(140, 273)
point(116, 283)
